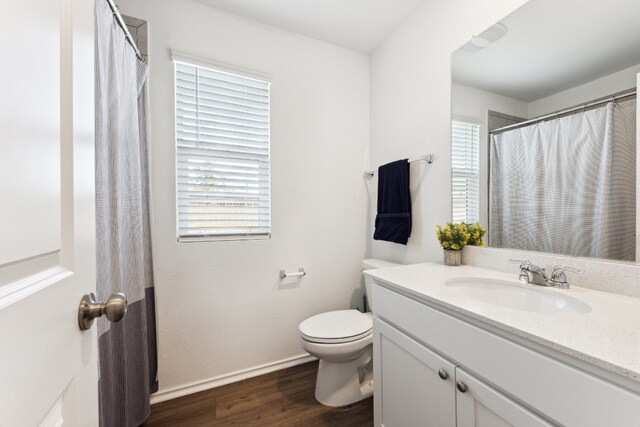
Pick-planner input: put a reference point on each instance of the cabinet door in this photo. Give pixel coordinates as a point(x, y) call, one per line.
point(480, 405)
point(409, 390)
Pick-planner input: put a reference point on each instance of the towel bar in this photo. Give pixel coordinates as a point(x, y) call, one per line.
point(424, 158)
point(300, 273)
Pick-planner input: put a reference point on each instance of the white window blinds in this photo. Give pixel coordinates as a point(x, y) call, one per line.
point(222, 156)
point(465, 177)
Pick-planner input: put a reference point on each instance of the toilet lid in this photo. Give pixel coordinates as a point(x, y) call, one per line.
point(336, 327)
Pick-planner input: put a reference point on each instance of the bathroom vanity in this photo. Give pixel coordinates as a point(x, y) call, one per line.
point(466, 346)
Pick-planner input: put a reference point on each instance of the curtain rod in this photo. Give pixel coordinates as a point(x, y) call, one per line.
point(560, 113)
point(116, 13)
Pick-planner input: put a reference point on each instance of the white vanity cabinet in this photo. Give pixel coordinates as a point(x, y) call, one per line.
point(434, 367)
point(417, 387)
point(481, 405)
point(413, 385)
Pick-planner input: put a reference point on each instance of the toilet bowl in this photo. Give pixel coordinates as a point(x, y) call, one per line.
point(342, 340)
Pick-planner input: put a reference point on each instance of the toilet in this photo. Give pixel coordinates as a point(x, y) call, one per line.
point(342, 340)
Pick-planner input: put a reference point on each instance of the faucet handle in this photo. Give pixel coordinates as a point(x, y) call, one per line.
point(560, 268)
point(559, 279)
point(525, 266)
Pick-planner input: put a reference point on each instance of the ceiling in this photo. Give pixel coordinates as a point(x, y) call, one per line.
point(360, 25)
point(551, 46)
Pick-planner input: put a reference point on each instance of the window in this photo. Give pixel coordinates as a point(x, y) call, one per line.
point(222, 154)
point(465, 176)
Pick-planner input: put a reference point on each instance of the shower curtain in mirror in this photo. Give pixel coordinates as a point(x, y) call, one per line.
point(567, 185)
point(127, 349)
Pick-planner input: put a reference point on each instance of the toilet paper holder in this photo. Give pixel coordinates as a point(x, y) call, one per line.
point(299, 273)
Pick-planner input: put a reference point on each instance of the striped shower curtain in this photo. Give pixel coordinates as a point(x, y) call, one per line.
point(127, 349)
point(567, 185)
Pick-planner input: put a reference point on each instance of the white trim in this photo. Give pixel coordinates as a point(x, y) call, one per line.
point(467, 119)
point(190, 59)
point(30, 285)
point(232, 377)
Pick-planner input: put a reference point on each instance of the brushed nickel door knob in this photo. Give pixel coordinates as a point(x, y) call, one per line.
point(115, 309)
point(443, 374)
point(462, 387)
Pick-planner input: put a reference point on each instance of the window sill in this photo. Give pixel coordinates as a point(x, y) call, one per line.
point(230, 238)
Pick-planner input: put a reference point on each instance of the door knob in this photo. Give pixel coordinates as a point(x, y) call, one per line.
point(115, 308)
point(462, 387)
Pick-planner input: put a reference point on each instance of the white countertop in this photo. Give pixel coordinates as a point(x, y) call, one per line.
point(608, 336)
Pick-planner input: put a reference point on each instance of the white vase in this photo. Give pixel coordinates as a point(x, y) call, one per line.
point(452, 258)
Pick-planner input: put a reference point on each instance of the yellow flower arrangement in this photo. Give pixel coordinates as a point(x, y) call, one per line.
point(455, 236)
point(476, 233)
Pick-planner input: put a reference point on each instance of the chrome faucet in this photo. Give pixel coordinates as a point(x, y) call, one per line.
point(530, 273)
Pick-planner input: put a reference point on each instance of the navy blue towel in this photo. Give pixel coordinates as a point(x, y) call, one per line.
point(393, 222)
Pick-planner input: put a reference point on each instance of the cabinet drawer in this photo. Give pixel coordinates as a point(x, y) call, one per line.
point(563, 393)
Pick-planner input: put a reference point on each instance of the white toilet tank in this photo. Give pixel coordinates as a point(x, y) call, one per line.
point(370, 264)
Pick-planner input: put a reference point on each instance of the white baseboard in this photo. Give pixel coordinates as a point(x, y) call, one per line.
point(232, 377)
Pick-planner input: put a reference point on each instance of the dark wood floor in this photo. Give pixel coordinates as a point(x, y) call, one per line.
point(283, 398)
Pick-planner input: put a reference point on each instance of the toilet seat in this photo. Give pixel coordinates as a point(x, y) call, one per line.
point(336, 327)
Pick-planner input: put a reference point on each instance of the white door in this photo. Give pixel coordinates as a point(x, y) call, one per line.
point(480, 405)
point(413, 385)
point(48, 367)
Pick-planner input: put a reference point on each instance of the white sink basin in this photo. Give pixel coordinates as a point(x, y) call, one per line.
point(517, 296)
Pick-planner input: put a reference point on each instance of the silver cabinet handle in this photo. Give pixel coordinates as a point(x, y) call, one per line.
point(115, 308)
point(443, 374)
point(462, 387)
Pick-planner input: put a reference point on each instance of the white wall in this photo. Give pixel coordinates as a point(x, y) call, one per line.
point(410, 111)
point(470, 103)
point(604, 86)
point(221, 307)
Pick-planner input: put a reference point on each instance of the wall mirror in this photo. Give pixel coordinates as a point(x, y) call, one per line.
point(544, 129)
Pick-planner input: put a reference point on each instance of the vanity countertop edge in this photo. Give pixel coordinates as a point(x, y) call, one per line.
point(607, 337)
